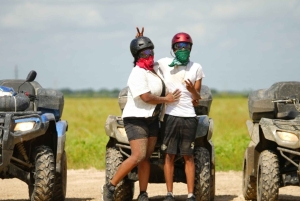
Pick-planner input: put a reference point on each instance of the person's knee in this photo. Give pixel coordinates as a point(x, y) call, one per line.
point(189, 159)
point(169, 158)
point(138, 158)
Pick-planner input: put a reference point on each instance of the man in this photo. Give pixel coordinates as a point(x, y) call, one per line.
point(180, 121)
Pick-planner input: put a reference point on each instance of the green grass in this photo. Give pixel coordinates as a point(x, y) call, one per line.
point(230, 135)
point(86, 138)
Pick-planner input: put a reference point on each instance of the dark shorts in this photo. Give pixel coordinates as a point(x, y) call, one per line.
point(179, 134)
point(139, 127)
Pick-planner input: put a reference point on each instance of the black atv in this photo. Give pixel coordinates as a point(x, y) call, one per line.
point(272, 158)
point(118, 149)
point(32, 138)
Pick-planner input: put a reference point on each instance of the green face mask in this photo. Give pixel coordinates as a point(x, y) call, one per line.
point(182, 58)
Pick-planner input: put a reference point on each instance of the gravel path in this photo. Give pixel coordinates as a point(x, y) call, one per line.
point(84, 185)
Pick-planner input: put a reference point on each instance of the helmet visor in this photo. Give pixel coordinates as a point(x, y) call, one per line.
point(181, 45)
point(146, 53)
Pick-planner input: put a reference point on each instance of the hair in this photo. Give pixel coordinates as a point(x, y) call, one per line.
point(135, 60)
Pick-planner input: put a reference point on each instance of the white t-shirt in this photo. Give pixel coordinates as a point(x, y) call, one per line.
point(141, 81)
point(174, 78)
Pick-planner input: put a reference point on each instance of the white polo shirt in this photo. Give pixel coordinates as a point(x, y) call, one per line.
point(174, 79)
point(141, 81)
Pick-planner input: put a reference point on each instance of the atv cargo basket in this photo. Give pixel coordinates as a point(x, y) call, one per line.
point(260, 101)
point(202, 108)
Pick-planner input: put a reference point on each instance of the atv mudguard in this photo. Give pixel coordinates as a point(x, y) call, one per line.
point(205, 127)
point(114, 128)
point(61, 128)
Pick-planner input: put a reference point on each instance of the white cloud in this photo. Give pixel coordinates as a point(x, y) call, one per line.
point(39, 16)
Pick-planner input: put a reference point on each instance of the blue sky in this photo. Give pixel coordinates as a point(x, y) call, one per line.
point(241, 45)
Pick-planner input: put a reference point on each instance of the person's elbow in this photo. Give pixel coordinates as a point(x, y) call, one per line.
point(147, 97)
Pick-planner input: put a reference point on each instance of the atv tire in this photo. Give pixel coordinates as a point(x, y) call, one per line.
point(60, 186)
point(125, 188)
point(268, 176)
point(212, 183)
point(43, 175)
point(249, 184)
point(202, 174)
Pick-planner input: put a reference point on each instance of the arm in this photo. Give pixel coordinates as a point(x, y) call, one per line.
point(152, 99)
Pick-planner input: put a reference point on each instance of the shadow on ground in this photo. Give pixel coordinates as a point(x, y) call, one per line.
point(67, 199)
point(183, 198)
point(284, 197)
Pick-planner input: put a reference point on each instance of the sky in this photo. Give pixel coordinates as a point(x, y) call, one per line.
point(84, 44)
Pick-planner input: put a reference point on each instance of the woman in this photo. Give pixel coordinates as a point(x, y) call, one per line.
point(146, 94)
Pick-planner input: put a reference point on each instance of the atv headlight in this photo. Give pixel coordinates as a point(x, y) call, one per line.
point(24, 126)
point(287, 136)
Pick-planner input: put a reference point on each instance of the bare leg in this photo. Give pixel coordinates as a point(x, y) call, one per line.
point(190, 172)
point(169, 171)
point(144, 165)
point(138, 153)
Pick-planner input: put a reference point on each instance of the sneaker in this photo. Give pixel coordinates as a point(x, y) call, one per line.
point(193, 198)
point(169, 198)
point(143, 197)
point(108, 193)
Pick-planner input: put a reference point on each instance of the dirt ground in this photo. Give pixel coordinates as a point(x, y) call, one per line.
point(85, 185)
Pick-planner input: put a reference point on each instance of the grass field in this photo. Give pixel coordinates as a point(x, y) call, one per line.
point(86, 138)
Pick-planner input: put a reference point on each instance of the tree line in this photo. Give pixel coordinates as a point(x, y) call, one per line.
point(114, 93)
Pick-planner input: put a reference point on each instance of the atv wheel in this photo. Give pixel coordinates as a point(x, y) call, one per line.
point(268, 176)
point(125, 188)
point(60, 186)
point(202, 174)
point(249, 184)
point(212, 183)
point(43, 175)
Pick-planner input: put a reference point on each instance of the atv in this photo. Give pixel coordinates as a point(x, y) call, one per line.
point(32, 137)
point(272, 158)
point(118, 150)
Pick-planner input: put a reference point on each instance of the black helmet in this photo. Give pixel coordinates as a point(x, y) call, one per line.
point(140, 43)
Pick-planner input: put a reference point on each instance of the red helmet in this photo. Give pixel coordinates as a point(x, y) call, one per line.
point(181, 37)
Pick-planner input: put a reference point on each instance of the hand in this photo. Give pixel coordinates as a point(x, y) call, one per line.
point(172, 97)
point(195, 102)
point(139, 34)
point(189, 86)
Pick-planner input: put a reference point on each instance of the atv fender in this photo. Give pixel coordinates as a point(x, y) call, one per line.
point(268, 129)
point(61, 128)
point(114, 128)
point(205, 127)
point(249, 157)
point(253, 130)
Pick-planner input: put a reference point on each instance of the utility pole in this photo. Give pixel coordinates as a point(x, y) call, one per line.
point(16, 72)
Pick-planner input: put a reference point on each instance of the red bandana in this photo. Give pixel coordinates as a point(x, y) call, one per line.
point(146, 63)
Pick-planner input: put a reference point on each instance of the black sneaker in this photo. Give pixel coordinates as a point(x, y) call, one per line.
point(169, 198)
point(193, 198)
point(108, 193)
point(143, 197)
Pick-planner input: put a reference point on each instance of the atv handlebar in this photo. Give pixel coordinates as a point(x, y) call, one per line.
point(288, 100)
point(294, 101)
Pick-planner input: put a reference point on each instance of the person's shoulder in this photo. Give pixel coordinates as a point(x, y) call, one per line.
point(195, 65)
point(164, 62)
point(138, 70)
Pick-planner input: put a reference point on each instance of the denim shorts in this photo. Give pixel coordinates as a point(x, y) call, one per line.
point(179, 134)
point(140, 127)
